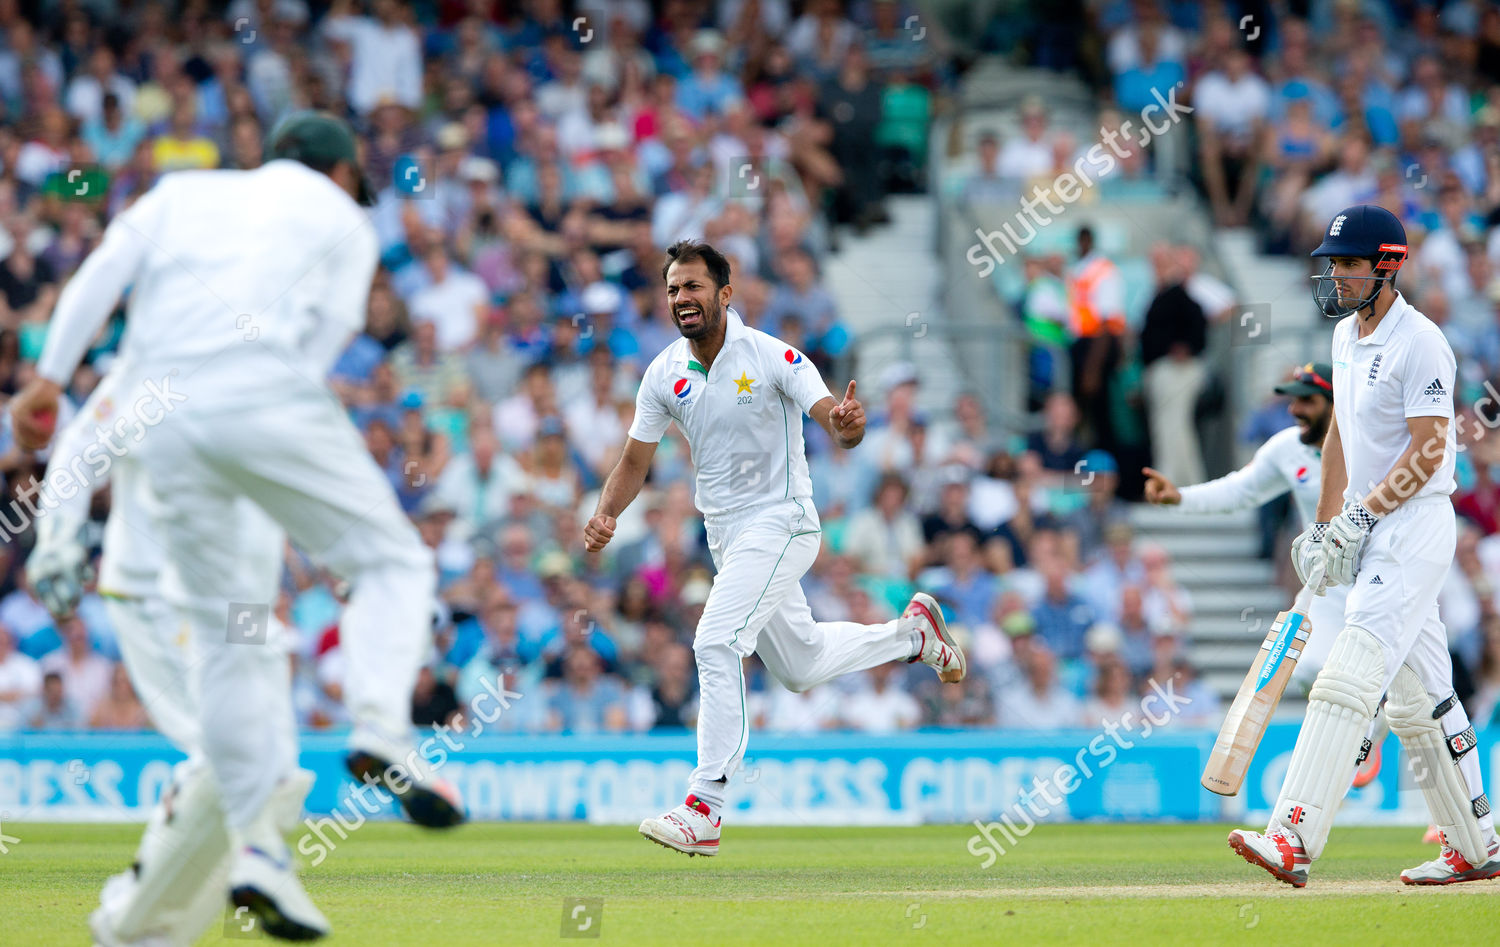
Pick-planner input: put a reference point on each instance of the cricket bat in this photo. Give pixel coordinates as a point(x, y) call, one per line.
point(1245, 723)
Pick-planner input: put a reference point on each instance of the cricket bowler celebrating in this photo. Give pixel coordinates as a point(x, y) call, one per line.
point(738, 396)
point(1388, 462)
point(245, 287)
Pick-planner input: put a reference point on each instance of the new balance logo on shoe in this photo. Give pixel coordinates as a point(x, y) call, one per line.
point(1436, 389)
point(1376, 581)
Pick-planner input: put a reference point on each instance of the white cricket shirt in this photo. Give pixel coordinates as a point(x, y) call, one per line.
point(1404, 369)
point(1282, 463)
point(247, 268)
point(742, 417)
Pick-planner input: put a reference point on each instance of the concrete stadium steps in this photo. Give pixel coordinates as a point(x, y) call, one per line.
point(886, 286)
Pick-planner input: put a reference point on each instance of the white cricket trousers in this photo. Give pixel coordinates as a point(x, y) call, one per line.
point(757, 605)
point(285, 443)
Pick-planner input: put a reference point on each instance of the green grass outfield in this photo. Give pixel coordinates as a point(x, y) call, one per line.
point(394, 884)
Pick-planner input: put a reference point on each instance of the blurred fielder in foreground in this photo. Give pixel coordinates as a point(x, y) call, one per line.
point(245, 287)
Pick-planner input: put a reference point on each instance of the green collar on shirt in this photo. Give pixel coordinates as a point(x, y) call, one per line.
point(697, 368)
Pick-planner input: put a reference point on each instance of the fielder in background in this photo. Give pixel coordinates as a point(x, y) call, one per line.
point(1291, 460)
point(1389, 458)
point(738, 396)
point(283, 250)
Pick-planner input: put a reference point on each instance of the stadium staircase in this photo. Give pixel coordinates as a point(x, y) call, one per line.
point(886, 284)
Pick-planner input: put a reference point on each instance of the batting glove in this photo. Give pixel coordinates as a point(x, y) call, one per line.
point(1307, 550)
point(1344, 543)
point(57, 574)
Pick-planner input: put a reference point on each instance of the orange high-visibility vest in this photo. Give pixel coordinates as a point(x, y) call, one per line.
point(1084, 321)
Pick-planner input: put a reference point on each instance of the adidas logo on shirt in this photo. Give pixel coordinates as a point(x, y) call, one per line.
point(1435, 390)
point(1376, 581)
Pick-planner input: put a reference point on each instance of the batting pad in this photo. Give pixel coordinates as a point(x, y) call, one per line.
point(184, 850)
point(1340, 706)
point(1440, 742)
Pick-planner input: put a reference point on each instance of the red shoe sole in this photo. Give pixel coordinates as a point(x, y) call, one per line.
point(1253, 857)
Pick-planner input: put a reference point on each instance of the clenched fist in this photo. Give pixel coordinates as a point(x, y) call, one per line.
point(599, 531)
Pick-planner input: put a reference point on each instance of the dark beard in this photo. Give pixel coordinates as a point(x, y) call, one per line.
point(706, 326)
point(1315, 433)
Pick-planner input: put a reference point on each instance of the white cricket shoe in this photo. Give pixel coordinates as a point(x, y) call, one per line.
point(939, 651)
point(688, 828)
point(264, 883)
point(1280, 852)
point(1449, 868)
point(117, 892)
point(405, 774)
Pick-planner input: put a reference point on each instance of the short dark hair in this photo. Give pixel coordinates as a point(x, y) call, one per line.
point(684, 251)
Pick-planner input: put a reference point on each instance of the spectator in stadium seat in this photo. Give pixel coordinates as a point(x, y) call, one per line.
point(1042, 703)
point(52, 709)
point(1153, 58)
point(985, 184)
point(951, 516)
point(422, 365)
point(1057, 444)
point(1028, 155)
point(1202, 708)
point(880, 706)
point(966, 704)
point(1103, 508)
point(887, 536)
point(119, 709)
point(113, 134)
point(488, 647)
point(1062, 616)
point(674, 693)
point(708, 89)
point(454, 299)
point(596, 430)
point(962, 582)
point(85, 671)
point(433, 702)
point(1138, 632)
point(20, 681)
point(516, 418)
point(1169, 604)
point(1112, 697)
point(1232, 104)
point(585, 700)
point(386, 53)
point(184, 147)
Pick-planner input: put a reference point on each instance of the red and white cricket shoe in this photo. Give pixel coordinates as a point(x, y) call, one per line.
point(1449, 868)
point(1280, 852)
point(939, 651)
point(689, 828)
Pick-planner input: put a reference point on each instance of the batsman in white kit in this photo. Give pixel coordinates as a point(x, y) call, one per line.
point(1385, 528)
point(738, 396)
point(245, 286)
point(1291, 460)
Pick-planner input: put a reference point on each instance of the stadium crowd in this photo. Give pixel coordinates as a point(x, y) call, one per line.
point(532, 161)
